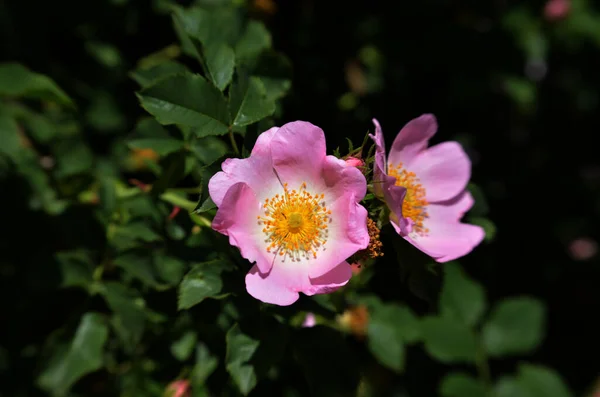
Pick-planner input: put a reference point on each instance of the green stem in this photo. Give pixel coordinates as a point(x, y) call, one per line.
point(233, 143)
point(172, 198)
point(483, 368)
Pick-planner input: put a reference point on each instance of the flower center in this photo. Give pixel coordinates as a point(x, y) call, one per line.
point(295, 223)
point(414, 205)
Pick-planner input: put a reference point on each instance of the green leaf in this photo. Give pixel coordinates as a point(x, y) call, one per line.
point(386, 344)
point(169, 268)
point(73, 157)
point(10, 143)
point(205, 365)
point(248, 101)
point(275, 71)
point(203, 281)
point(448, 340)
point(508, 386)
point(147, 76)
point(187, 99)
point(204, 206)
point(220, 60)
point(254, 40)
point(458, 384)
point(480, 207)
point(85, 355)
point(132, 235)
point(18, 81)
point(76, 268)
point(541, 381)
point(183, 347)
point(240, 349)
point(209, 149)
point(129, 318)
point(515, 326)
point(140, 267)
point(162, 146)
point(461, 297)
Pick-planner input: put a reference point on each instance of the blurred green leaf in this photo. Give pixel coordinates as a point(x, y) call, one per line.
point(386, 343)
point(515, 326)
point(220, 60)
point(162, 146)
point(18, 81)
point(248, 101)
point(76, 268)
point(532, 381)
point(85, 355)
point(461, 297)
point(187, 99)
point(205, 365)
point(73, 157)
point(149, 75)
point(169, 268)
point(458, 384)
point(140, 267)
point(183, 348)
point(240, 349)
point(541, 381)
point(254, 40)
point(203, 281)
point(448, 340)
point(129, 318)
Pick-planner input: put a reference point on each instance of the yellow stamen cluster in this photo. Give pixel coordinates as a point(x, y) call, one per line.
point(415, 204)
point(295, 223)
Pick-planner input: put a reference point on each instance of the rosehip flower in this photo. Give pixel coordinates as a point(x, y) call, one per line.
point(425, 190)
point(354, 162)
point(293, 211)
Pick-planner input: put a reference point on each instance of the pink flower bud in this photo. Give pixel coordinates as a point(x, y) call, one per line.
point(178, 388)
point(354, 162)
point(309, 321)
point(557, 9)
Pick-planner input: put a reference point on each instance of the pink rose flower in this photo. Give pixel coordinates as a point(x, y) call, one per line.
point(293, 211)
point(425, 190)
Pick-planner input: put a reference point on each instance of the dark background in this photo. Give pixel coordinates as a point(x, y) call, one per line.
point(532, 143)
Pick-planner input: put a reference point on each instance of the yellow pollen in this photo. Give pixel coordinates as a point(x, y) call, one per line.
point(414, 205)
point(295, 223)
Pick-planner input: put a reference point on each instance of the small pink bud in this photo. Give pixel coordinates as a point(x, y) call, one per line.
point(309, 321)
point(557, 9)
point(354, 162)
point(174, 213)
point(178, 388)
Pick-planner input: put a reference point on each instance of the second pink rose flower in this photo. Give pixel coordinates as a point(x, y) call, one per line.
point(425, 190)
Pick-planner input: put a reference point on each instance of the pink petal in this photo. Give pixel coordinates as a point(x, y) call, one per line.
point(237, 218)
point(448, 238)
point(339, 179)
point(348, 234)
point(412, 139)
point(298, 151)
point(379, 166)
point(444, 171)
point(256, 171)
point(331, 281)
point(263, 142)
point(275, 287)
point(281, 286)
